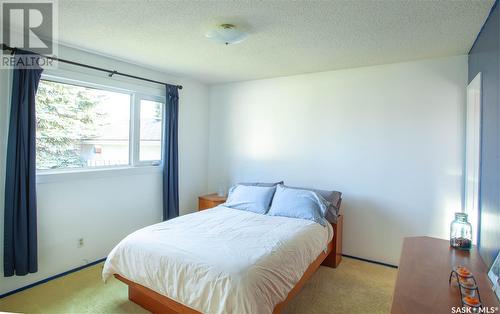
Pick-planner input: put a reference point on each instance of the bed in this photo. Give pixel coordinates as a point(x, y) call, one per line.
point(223, 260)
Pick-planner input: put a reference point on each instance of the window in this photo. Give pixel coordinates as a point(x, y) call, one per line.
point(151, 130)
point(81, 127)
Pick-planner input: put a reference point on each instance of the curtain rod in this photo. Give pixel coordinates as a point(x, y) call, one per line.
point(110, 72)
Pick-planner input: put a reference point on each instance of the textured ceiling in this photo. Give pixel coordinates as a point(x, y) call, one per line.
point(286, 37)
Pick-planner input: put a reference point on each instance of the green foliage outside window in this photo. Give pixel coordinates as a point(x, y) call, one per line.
point(65, 114)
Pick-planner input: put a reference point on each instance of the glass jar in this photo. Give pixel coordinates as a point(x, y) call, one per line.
point(221, 189)
point(461, 232)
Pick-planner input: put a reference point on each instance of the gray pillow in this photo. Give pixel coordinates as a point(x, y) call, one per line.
point(333, 197)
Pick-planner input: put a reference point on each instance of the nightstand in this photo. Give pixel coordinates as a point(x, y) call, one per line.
point(210, 200)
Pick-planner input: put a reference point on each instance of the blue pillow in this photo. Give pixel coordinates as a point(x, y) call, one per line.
point(296, 203)
point(333, 198)
point(255, 199)
point(262, 183)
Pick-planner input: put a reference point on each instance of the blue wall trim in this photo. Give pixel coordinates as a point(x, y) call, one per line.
point(52, 278)
point(482, 27)
point(370, 261)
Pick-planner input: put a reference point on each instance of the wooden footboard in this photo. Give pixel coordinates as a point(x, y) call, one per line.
point(157, 303)
point(153, 301)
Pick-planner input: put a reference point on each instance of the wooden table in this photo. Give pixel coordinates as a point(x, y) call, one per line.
point(210, 200)
point(424, 269)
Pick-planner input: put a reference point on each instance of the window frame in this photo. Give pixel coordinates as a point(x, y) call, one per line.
point(136, 95)
point(137, 124)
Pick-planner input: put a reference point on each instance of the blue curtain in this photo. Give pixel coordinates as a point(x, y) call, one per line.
point(20, 235)
point(170, 155)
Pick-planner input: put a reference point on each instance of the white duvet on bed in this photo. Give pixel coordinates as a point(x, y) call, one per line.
point(221, 260)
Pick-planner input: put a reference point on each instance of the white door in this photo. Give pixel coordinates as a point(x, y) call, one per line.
point(472, 153)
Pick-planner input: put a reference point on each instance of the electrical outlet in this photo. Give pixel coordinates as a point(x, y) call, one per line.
point(80, 242)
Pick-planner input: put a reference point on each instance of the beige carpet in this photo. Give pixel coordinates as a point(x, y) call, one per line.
point(354, 287)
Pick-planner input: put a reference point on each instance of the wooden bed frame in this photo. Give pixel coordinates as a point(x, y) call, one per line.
point(157, 303)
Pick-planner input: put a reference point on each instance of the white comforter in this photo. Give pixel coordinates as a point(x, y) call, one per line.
point(221, 260)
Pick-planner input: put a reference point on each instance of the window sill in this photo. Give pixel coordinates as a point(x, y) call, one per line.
point(49, 176)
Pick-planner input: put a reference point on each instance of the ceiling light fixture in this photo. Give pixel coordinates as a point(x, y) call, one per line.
point(226, 34)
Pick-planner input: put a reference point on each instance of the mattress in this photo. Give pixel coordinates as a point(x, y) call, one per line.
point(221, 260)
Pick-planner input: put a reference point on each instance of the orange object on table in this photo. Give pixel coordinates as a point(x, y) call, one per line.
point(471, 301)
point(463, 271)
point(467, 283)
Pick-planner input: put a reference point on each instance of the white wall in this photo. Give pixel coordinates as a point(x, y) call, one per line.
point(390, 137)
point(107, 206)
